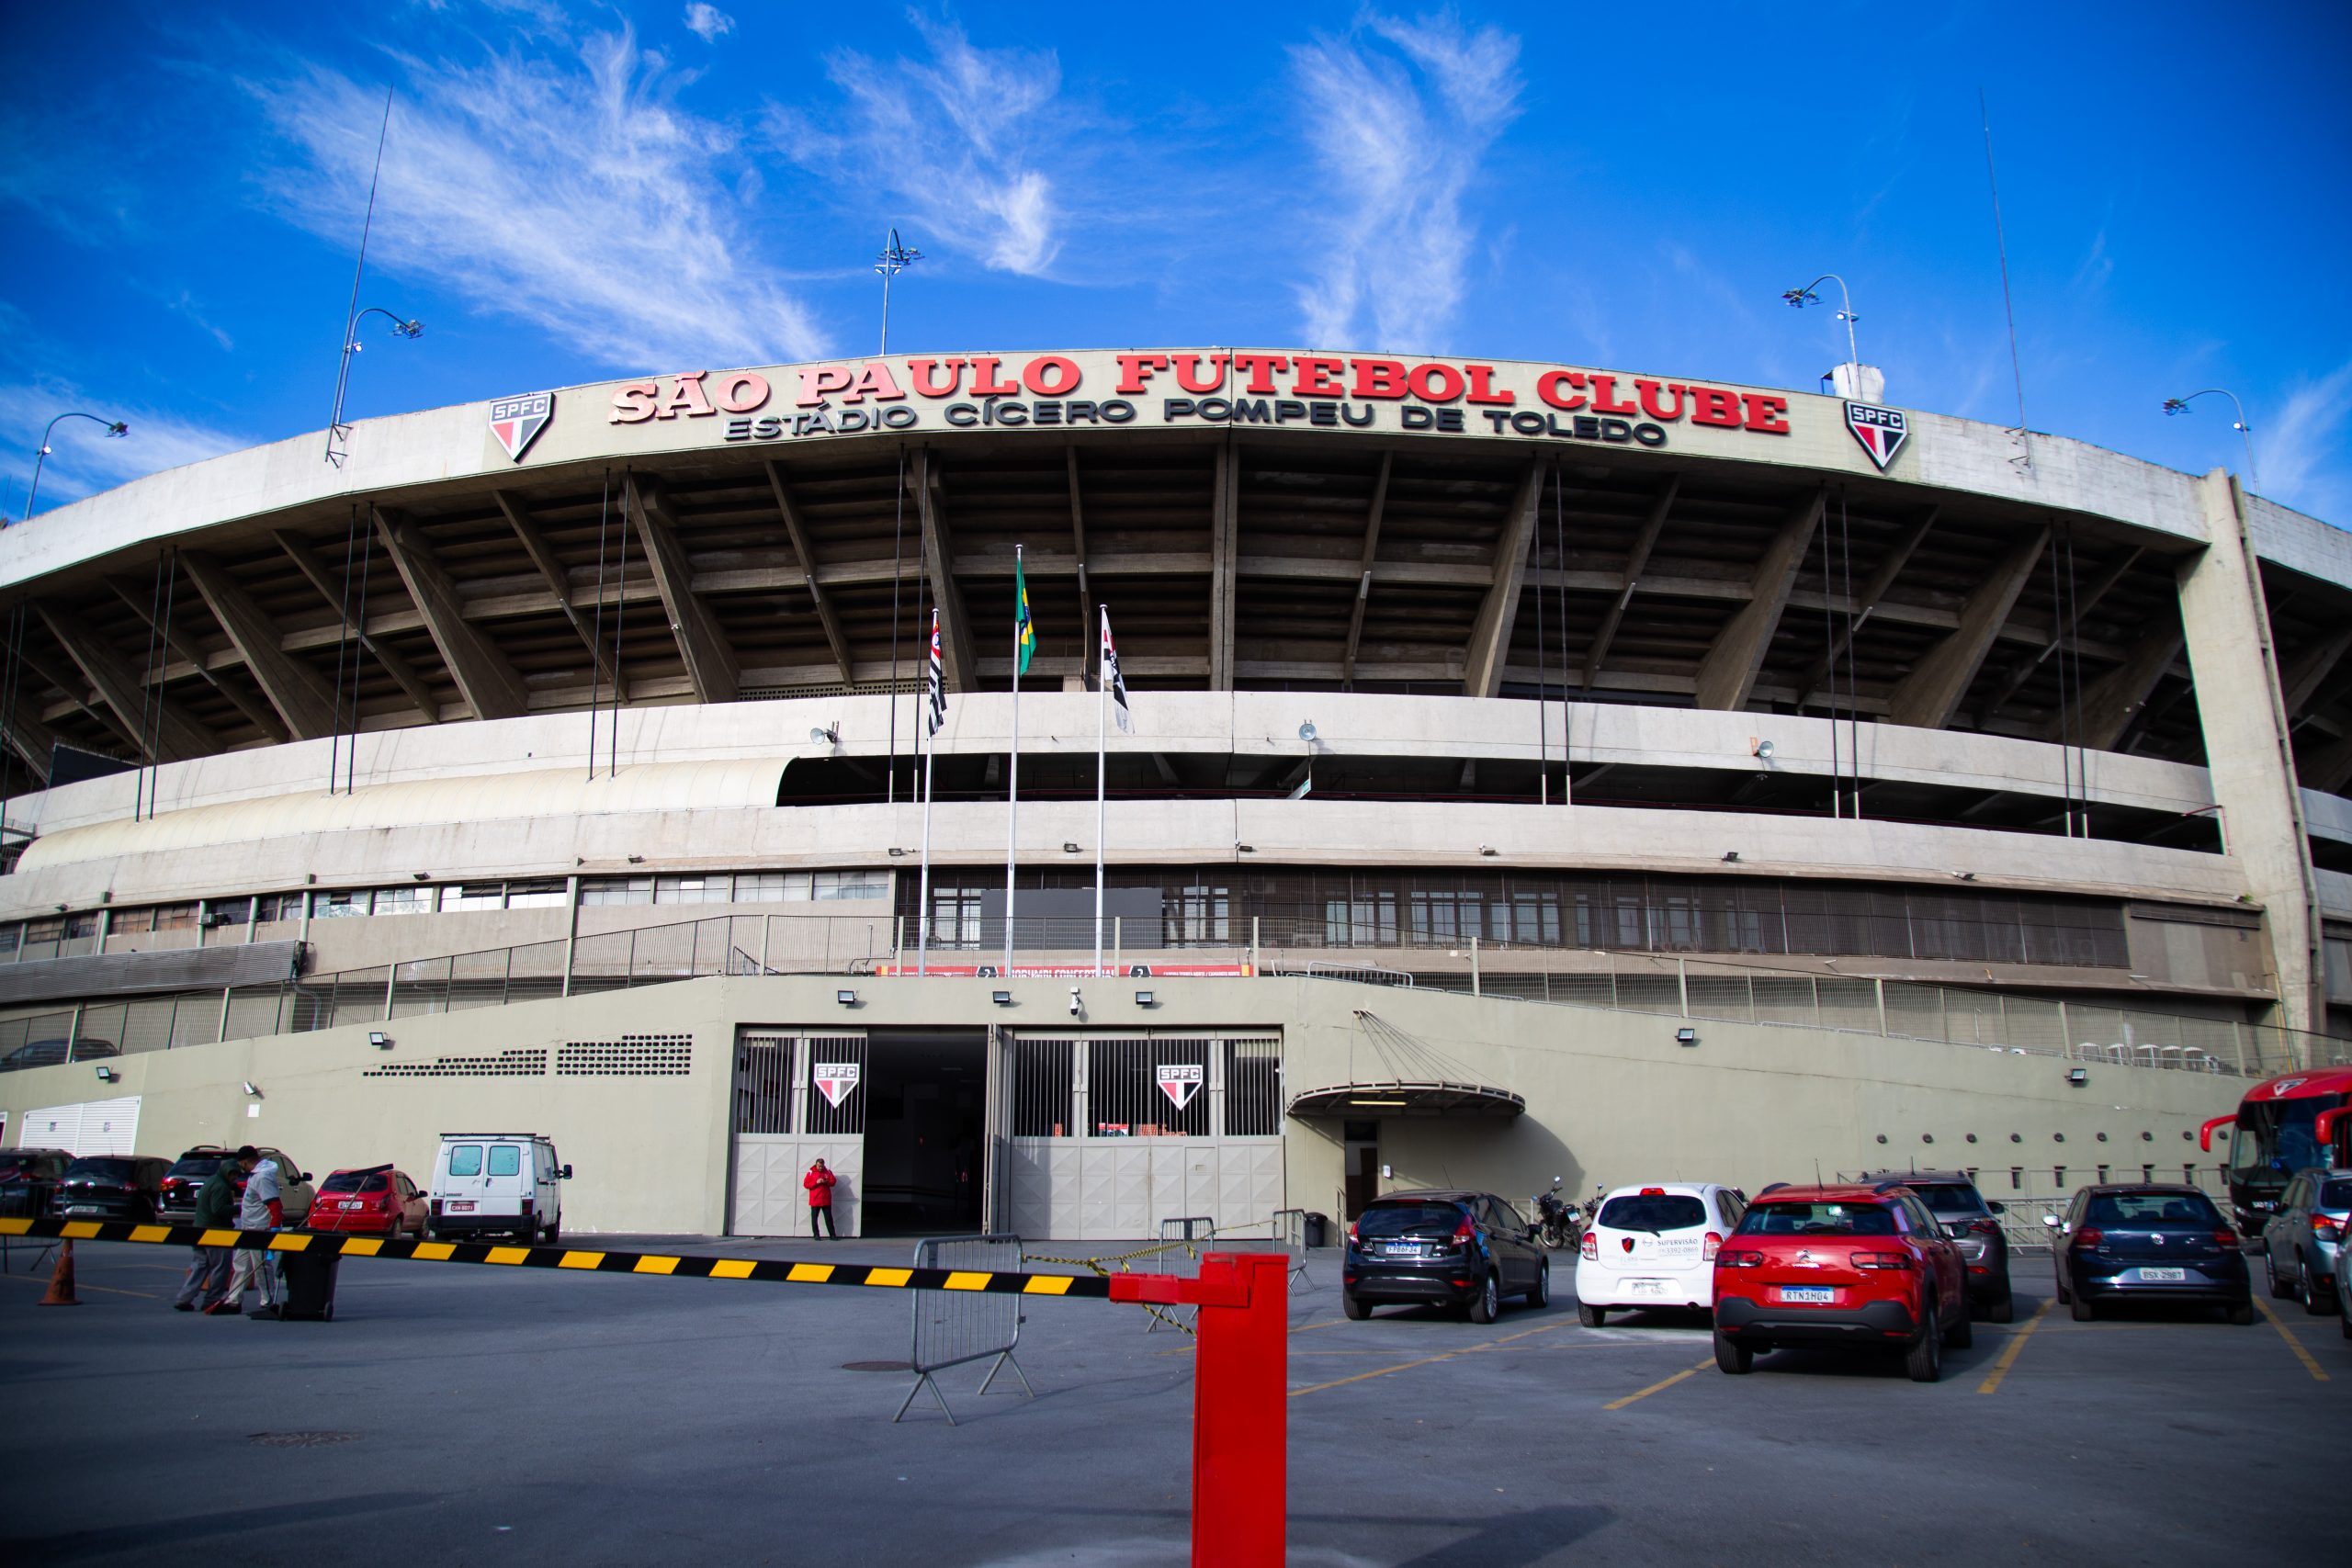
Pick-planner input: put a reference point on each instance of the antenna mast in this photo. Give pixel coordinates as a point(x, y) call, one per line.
point(336, 430)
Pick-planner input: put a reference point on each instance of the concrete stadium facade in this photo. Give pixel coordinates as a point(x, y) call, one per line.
point(1534, 771)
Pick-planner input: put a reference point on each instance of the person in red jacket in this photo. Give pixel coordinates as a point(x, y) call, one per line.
point(820, 1182)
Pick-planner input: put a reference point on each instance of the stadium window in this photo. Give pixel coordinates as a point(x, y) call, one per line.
point(832, 885)
point(696, 889)
point(338, 905)
point(616, 890)
point(771, 887)
point(404, 901)
point(534, 896)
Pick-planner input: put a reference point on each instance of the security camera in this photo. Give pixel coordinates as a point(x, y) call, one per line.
point(1076, 1005)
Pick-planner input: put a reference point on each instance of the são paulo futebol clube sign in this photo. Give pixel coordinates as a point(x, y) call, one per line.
point(1247, 391)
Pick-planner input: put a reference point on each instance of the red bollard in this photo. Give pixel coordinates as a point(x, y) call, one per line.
point(1241, 1400)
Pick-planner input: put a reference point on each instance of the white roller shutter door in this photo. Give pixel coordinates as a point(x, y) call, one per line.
point(93, 1127)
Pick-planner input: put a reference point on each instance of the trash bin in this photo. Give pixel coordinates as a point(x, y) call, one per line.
point(310, 1286)
point(1318, 1231)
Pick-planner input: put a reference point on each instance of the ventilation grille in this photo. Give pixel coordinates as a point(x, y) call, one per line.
point(630, 1056)
point(523, 1062)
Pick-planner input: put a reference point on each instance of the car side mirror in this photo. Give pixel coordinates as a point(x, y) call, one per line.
point(1998, 1208)
point(2051, 1220)
point(565, 1173)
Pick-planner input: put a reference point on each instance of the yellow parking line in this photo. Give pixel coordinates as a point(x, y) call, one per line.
point(42, 1279)
point(1660, 1386)
point(1424, 1361)
point(2292, 1343)
point(2010, 1352)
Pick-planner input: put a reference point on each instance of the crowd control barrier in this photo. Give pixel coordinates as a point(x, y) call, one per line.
point(1240, 1385)
point(952, 1327)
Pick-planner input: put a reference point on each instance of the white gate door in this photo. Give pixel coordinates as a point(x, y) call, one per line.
point(798, 1097)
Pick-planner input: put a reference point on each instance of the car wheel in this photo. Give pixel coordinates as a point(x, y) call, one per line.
point(1488, 1305)
point(1731, 1357)
point(1591, 1317)
point(555, 1234)
point(2003, 1308)
point(2083, 1310)
point(1925, 1360)
point(1357, 1311)
point(2243, 1312)
point(1962, 1333)
point(2279, 1292)
point(2315, 1303)
point(1542, 1294)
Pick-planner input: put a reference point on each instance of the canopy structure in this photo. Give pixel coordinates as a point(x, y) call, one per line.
point(1429, 1098)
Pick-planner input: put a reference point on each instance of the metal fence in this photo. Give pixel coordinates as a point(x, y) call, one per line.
point(952, 1327)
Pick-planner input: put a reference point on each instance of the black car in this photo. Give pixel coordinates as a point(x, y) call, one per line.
point(1458, 1249)
point(185, 1182)
point(1974, 1226)
point(2149, 1242)
point(28, 1179)
point(110, 1187)
point(52, 1052)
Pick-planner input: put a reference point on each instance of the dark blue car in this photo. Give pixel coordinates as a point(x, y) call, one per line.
point(2150, 1242)
point(1463, 1251)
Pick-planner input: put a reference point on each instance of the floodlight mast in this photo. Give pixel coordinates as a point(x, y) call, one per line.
point(114, 427)
point(2245, 430)
point(1801, 297)
point(894, 259)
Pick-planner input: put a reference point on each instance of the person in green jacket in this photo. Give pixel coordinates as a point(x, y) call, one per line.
point(216, 1209)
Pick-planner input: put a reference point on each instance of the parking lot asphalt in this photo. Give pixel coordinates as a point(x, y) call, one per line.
point(462, 1415)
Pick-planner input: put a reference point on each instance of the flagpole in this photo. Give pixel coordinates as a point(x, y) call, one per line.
point(1101, 734)
point(922, 896)
point(1012, 772)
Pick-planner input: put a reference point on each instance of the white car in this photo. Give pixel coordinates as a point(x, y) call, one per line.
point(1655, 1247)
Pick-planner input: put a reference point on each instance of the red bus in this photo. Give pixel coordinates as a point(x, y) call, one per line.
point(2281, 1127)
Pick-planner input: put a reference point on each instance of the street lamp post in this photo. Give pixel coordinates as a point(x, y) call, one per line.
point(114, 427)
point(336, 430)
point(2245, 430)
point(1801, 297)
point(894, 259)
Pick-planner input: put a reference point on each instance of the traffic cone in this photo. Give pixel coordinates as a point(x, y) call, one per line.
point(61, 1282)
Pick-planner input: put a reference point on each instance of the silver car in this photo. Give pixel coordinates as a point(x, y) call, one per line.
point(2304, 1238)
point(2344, 1289)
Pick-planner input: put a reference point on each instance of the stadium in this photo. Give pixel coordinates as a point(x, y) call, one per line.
point(1524, 771)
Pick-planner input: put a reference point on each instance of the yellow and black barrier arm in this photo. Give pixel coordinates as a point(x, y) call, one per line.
point(778, 1270)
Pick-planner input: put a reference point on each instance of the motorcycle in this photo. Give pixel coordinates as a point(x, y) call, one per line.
point(1557, 1222)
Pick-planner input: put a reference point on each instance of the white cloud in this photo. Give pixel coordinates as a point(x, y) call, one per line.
point(82, 459)
point(574, 195)
point(954, 137)
point(2302, 452)
point(1399, 133)
point(707, 22)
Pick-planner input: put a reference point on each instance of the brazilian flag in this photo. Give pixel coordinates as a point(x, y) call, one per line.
point(1024, 632)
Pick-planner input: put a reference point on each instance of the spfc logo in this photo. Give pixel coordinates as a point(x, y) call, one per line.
point(1882, 432)
point(516, 422)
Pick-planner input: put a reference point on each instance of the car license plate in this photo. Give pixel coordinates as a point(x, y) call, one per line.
point(1406, 1249)
point(351, 1204)
point(1818, 1295)
point(1648, 1286)
point(459, 1206)
point(2163, 1276)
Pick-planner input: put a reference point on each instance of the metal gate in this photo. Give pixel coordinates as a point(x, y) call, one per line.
point(799, 1097)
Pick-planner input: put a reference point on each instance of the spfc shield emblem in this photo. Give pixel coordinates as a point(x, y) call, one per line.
point(1882, 432)
point(516, 422)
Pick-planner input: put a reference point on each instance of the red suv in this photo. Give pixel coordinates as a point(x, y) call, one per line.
point(1861, 1266)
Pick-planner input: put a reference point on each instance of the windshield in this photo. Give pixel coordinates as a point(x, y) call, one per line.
point(2277, 1136)
point(1818, 1219)
point(2335, 1195)
point(1654, 1212)
point(356, 1181)
point(1409, 1219)
point(205, 1166)
point(102, 1168)
point(2127, 1211)
point(1950, 1200)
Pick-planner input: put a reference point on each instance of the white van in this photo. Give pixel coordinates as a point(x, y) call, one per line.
point(497, 1183)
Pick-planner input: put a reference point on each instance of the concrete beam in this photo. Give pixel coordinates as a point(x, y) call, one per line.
point(484, 678)
point(959, 667)
point(2111, 701)
point(1365, 571)
point(1727, 675)
point(404, 674)
point(2310, 668)
point(80, 696)
point(2085, 602)
point(293, 688)
point(1873, 593)
point(177, 738)
point(709, 658)
point(1931, 692)
point(33, 740)
point(806, 558)
point(1653, 525)
point(256, 710)
point(1223, 555)
point(1491, 634)
point(2329, 770)
point(558, 581)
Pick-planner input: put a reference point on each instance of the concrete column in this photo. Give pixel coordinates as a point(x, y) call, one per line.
point(2244, 717)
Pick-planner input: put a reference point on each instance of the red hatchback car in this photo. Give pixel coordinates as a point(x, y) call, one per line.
point(1868, 1267)
point(378, 1201)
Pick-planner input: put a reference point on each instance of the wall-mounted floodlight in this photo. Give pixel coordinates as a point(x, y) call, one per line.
point(1965, 875)
point(1002, 998)
point(1307, 732)
point(1144, 1000)
point(378, 1039)
point(2078, 1077)
point(847, 998)
point(1731, 857)
point(1759, 750)
point(1686, 1037)
point(252, 1089)
point(830, 735)
point(108, 1075)
point(1068, 848)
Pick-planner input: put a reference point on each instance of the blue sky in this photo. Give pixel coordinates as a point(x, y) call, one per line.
point(577, 193)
